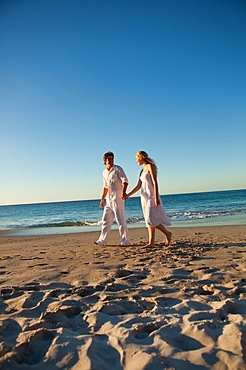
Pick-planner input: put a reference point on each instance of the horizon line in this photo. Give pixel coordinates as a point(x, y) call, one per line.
point(81, 200)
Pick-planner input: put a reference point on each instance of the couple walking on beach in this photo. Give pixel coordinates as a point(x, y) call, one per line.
point(115, 183)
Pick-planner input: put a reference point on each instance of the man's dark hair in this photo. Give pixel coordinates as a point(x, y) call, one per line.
point(106, 155)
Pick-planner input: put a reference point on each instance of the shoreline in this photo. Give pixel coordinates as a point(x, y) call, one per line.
point(68, 303)
point(46, 231)
point(114, 231)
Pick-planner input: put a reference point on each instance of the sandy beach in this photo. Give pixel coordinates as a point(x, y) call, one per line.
point(67, 303)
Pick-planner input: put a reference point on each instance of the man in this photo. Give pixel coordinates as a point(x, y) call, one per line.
point(115, 184)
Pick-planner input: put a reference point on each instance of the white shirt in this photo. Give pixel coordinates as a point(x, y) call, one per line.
point(113, 180)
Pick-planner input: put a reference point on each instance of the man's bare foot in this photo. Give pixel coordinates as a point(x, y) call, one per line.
point(149, 245)
point(168, 238)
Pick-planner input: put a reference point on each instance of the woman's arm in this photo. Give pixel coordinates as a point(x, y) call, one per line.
point(153, 173)
point(134, 190)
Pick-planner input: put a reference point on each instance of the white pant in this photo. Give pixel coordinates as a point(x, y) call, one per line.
point(114, 210)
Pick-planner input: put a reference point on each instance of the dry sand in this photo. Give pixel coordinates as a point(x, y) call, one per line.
point(69, 304)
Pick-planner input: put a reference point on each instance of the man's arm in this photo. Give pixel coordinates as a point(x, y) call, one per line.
point(124, 180)
point(124, 187)
point(104, 194)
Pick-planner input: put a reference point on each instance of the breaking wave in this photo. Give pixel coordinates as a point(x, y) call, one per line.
point(186, 216)
point(65, 224)
point(174, 217)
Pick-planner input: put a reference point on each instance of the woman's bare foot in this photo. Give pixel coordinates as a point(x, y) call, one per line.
point(149, 245)
point(168, 238)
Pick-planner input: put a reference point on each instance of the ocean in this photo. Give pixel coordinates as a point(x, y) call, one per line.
point(184, 210)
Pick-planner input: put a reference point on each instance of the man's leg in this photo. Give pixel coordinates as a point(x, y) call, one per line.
point(107, 220)
point(120, 218)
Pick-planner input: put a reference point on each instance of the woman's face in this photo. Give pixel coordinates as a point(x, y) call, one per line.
point(139, 159)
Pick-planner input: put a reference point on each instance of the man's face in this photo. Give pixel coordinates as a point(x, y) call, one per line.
point(109, 161)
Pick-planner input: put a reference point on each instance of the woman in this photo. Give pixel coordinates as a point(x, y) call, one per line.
point(154, 214)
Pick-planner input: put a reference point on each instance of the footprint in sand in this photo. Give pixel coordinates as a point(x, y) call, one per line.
point(34, 347)
point(135, 279)
point(101, 354)
point(167, 302)
point(33, 299)
point(9, 331)
point(234, 307)
point(122, 273)
point(203, 316)
point(11, 292)
point(142, 331)
point(7, 257)
point(38, 264)
point(187, 343)
point(123, 306)
point(84, 291)
point(63, 317)
point(114, 287)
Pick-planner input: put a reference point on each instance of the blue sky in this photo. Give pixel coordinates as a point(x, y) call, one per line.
point(81, 77)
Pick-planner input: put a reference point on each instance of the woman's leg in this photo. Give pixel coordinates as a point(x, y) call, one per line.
point(166, 232)
point(151, 231)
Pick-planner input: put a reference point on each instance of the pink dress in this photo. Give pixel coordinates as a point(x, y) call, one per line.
point(153, 215)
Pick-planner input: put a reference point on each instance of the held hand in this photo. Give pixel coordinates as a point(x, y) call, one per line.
point(157, 202)
point(124, 196)
point(102, 204)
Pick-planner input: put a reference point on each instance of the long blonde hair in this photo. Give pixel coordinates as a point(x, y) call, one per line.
point(146, 158)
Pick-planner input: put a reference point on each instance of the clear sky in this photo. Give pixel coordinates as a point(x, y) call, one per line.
point(81, 77)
